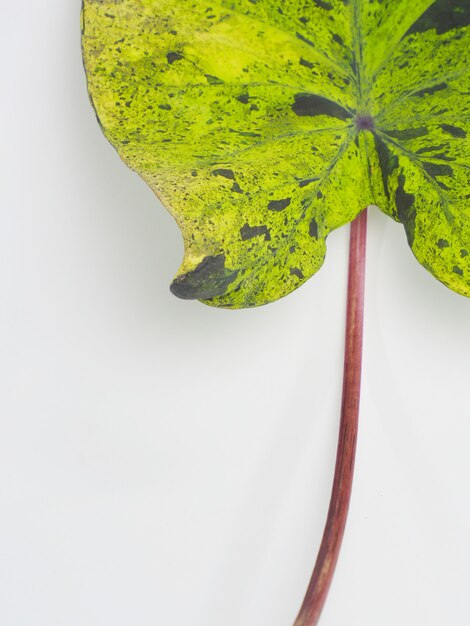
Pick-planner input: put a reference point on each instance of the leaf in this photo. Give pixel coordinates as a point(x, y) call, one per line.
point(265, 124)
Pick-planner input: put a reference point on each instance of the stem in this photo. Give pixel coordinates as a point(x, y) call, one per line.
point(317, 591)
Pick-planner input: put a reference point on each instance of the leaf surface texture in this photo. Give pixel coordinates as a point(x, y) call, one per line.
point(264, 125)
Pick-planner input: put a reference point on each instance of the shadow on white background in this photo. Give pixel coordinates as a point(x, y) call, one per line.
point(162, 462)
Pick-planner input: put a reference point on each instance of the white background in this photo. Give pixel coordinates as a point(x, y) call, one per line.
point(165, 463)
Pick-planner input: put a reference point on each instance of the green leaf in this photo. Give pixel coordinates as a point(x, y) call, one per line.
point(265, 124)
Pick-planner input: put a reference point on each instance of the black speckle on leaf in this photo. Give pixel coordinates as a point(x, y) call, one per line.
point(310, 104)
point(248, 232)
point(463, 253)
point(313, 229)
point(338, 39)
point(279, 205)
point(443, 243)
point(224, 172)
point(236, 188)
point(165, 107)
point(457, 270)
point(208, 280)
point(171, 57)
point(455, 131)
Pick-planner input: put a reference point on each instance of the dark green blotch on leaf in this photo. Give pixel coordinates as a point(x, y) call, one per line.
point(279, 205)
point(224, 172)
point(428, 91)
point(455, 131)
point(208, 280)
point(307, 181)
point(310, 104)
point(171, 57)
point(388, 162)
point(313, 229)
point(243, 98)
point(404, 202)
point(296, 272)
point(408, 133)
point(443, 16)
point(437, 169)
point(213, 80)
point(248, 232)
point(324, 5)
point(236, 188)
point(306, 63)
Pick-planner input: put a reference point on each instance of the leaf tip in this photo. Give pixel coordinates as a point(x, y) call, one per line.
point(208, 280)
